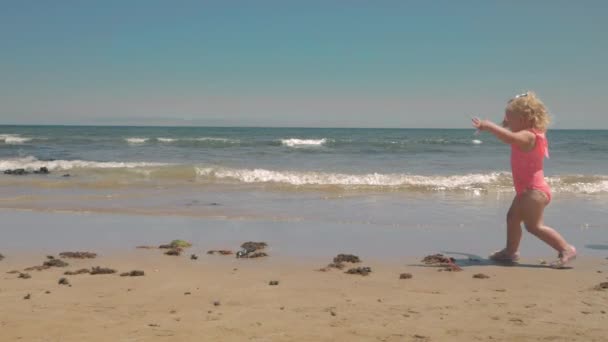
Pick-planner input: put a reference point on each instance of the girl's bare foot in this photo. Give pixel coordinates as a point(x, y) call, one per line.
point(564, 257)
point(504, 256)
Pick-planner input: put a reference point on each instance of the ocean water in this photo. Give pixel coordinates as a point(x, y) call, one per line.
point(401, 179)
point(293, 159)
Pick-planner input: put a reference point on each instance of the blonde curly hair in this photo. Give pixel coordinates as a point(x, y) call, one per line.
point(531, 108)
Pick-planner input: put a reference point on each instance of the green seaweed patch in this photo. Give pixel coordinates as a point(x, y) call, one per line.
point(181, 243)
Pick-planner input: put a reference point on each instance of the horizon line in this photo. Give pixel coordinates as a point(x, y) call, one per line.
point(278, 127)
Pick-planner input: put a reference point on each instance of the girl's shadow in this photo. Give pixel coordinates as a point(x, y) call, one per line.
point(468, 260)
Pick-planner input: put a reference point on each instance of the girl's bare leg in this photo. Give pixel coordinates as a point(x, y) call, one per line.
point(514, 219)
point(532, 204)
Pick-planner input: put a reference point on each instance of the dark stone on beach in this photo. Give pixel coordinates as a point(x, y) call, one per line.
point(273, 283)
point(602, 286)
point(1, 257)
point(78, 255)
point(216, 303)
point(50, 257)
point(360, 270)
point(405, 276)
point(346, 258)
point(102, 270)
point(55, 263)
point(194, 257)
point(47, 292)
point(66, 175)
point(24, 276)
point(134, 273)
point(481, 276)
point(174, 251)
point(28, 296)
point(187, 293)
point(42, 171)
point(64, 281)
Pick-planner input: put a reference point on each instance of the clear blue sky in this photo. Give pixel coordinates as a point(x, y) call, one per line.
point(304, 63)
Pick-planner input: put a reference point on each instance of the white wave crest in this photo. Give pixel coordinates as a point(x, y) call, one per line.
point(463, 182)
point(213, 139)
point(13, 139)
point(201, 139)
point(31, 163)
point(136, 140)
point(293, 142)
point(579, 184)
point(476, 141)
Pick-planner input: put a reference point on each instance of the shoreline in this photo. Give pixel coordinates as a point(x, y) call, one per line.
point(52, 232)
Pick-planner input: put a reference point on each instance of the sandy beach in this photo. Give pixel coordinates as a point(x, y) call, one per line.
point(222, 298)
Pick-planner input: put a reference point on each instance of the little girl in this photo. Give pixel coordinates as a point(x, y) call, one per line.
point(526, 118)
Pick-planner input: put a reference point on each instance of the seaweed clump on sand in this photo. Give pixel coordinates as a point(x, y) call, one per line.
point(78, 255)
point(55, 263)
point(80, 271)
point(134, 273)
point(177, 251)
point(360, 270)
point(51, 262)
point(347, 258)
point(176, 244)
point(252, 249)
point(481, 276)
point(448, 264)
point(220, 252)
point(602, 286)
point(340, 260)
point(175, 247)
point(102, 270)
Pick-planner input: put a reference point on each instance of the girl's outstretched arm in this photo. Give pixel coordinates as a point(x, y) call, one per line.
point(524, 139)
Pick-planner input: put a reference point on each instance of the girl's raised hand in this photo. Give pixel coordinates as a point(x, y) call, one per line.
point(478, 123)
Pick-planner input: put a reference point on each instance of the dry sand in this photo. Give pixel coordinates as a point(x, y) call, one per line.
point(221, 298)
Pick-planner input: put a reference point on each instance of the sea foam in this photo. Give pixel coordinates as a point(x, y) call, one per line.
point(31, 163)
point(13, 139)
point(293, 142)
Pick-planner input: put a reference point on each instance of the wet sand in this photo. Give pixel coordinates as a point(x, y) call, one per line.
point(222, 298)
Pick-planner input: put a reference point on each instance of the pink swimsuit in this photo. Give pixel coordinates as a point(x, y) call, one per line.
point(527, 166)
